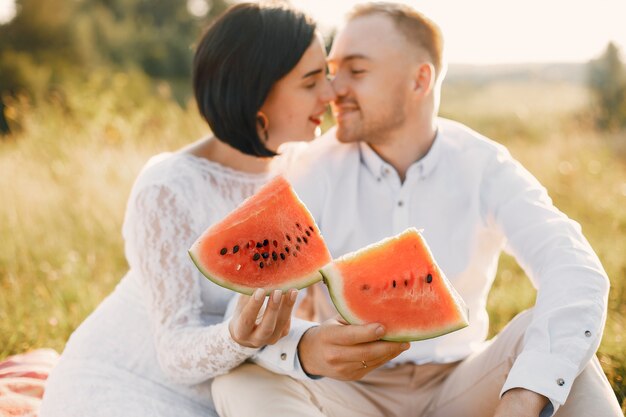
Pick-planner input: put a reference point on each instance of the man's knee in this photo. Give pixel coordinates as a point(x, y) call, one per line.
point(237, 382)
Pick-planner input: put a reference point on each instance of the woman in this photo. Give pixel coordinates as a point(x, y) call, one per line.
point(154, 345)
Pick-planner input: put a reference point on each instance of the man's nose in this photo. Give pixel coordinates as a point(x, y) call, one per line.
point(339, 86)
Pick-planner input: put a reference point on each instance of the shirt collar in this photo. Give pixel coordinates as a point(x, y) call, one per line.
point(424, 167)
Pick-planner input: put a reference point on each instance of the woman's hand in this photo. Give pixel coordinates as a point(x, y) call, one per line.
point(250, 326)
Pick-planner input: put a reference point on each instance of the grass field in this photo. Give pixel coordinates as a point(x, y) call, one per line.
point(65, 177)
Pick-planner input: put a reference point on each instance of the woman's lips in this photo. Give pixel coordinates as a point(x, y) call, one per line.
point(317, 120)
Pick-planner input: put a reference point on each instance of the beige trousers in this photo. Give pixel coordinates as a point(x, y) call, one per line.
point(464, 389)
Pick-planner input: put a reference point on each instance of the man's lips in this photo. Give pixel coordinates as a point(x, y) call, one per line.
point(342, 109)
point(340, 113)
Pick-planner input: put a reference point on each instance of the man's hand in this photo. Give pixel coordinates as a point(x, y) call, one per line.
point(520, 402)
point(338, 350)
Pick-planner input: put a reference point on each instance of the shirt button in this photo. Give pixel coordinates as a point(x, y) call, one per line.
point(283, 356)
point(400, 203)
point(560, 382)
point(587, 333)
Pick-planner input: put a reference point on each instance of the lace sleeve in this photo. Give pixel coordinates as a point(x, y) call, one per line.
point(159, 234)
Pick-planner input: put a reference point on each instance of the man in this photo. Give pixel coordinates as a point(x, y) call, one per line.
point(401, 166)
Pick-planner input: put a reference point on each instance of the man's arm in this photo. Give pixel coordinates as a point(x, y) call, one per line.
point(520, 402)
point(572, 287)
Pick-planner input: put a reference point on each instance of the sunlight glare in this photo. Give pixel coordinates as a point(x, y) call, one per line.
point(493, 31)
point(7, 11)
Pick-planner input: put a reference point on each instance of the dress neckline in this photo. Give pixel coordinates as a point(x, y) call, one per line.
point(225, 170)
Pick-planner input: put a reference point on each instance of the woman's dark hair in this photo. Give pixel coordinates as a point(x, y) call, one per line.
point(238, 60)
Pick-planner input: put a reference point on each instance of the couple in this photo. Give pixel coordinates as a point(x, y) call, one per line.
point(160, 346)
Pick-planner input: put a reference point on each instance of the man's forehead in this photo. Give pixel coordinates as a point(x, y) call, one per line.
point(365, 37)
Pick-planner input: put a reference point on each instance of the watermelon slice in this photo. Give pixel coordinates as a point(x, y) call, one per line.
point(397, 283)
point(269, 241)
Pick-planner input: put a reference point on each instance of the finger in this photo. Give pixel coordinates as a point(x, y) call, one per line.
point(286, 328)
point(250, 310)
point(382, 351)
point(352, 334)
point(371, 353)
point(265, 329)
point(306, 308)
point(284, 313)
point(242, 299)
point(391, 352)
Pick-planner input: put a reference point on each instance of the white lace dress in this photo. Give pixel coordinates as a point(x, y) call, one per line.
point(153, 346)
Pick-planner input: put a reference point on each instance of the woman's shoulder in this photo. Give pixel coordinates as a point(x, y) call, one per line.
point(165, 169)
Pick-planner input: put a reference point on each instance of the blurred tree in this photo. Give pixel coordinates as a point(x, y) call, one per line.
point(607, 79)
point(53, 42)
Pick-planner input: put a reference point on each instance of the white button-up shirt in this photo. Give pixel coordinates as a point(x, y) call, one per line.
point(472, 200)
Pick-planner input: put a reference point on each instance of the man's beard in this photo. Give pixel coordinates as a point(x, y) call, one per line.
point(375, 127)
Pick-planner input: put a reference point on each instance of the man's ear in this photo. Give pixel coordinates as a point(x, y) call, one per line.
point(424, 79)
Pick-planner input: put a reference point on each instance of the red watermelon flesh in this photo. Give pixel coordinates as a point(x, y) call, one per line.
point(269, 241)
point(397, 283)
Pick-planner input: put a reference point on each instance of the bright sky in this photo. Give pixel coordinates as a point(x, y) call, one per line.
point(508, 31)
point(494, 31)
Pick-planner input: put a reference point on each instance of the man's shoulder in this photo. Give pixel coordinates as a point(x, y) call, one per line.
point(328, 145)
point(458, 138)
point(324, 152)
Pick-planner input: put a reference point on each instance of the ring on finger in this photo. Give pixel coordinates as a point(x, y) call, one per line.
point(364, 364)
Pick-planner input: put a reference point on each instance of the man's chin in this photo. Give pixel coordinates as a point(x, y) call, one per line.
point(346, 135)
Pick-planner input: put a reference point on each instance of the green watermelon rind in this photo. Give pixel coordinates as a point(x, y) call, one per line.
point(297, 283)
point(333, 280)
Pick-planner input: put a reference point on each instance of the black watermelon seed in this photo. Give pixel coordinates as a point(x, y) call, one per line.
point(308, 233)
point(275, 244)
point(365, 287)
point(394, 283)
point(305, 240)
point(298, 225)
point(224, 251)
point(429, 278)
point(265, 255)
point(274, 256)
point(282, 256)
point(311, 228)
point(298, 247)
point(261, 265)
point(299, 240)
point(288, 238)
point(259, 245)
point(287, 249)
point(266, 242)
point(235, 248)
point(256, 257)
point(406, 283)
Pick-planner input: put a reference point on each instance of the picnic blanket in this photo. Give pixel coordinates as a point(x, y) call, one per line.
point(22, 382)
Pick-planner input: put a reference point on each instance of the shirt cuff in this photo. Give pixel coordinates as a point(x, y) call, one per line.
point(545, 374)
point(282, 356)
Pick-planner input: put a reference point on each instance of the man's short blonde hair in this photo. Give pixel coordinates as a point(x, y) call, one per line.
point(417, 28)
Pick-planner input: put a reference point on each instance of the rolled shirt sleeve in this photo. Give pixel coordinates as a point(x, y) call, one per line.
point(572, 286)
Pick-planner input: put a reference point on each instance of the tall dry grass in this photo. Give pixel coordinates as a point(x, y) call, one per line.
point(65, 177)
